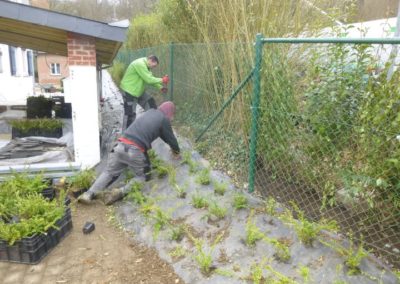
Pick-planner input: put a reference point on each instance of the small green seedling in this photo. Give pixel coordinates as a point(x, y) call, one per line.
point(203, 177)
point(199, 201)
point(225, 272)
point(171, 175)
point(178, 252)
point(270, 206)
point(253, 233)
point(304, 272)
point(353, 257)
point(203, 259)
point(161, 219)
point(147, 207)
point(256, 272)
point(187, 159)
point(240, 201)
point(277, 277)
point(282, 252)
point(177, 233)
point(180, 191)
point(217, 211)
point(203, 256)
point(220, 188)
point(135, 195)
point(307, 231)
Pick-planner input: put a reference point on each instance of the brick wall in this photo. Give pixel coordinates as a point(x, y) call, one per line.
point(81, 50)
point(44, 61)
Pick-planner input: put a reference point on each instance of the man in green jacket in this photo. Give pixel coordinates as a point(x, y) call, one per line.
point(133, 83)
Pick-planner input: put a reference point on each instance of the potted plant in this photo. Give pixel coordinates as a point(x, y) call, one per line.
point(36, 127)
point(38, 107)
point(30, 224)
point(81, 182)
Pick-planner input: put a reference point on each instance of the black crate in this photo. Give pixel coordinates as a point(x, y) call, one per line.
point(32, 249)
point(49, 193)
point(55, 133)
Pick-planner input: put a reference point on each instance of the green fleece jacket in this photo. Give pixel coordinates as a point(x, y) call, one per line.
point(136, 76)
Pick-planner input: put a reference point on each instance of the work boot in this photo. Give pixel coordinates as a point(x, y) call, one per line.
point(86, 198)
point(114, 195)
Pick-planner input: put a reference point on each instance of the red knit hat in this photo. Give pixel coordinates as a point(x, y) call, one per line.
point(168, 109)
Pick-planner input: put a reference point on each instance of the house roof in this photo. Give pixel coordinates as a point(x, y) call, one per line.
point(45, 30)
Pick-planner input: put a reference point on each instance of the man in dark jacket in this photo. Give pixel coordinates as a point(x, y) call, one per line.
point(131, 151)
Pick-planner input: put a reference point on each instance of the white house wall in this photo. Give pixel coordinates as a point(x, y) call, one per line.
point(15, 89)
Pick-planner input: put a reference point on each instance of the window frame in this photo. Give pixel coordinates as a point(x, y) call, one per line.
point(53, 69)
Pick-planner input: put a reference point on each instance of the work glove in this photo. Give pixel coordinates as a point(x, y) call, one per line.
point(164, 90)
point(165, 79)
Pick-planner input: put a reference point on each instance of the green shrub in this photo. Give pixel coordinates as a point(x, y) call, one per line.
point(25, 125)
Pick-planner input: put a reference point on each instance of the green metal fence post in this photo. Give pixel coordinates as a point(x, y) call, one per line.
point(171, 71)
point(255, 110)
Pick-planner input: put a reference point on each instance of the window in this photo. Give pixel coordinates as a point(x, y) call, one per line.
point(55, 69)
point(1, 62)
point(29, 58)
point(13, 64)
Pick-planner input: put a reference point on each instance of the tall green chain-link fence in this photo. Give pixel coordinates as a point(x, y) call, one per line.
point(310, 121)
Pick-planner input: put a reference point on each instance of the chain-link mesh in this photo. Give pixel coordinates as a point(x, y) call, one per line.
point(327, 138)
point(326, 131)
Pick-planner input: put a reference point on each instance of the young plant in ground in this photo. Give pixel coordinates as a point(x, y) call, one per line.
point(304, 272)
point(171, 175)
point(277, 277)
point(306, 230)
point(253, 233)
point(240, 201)
point(199, 201)
point(178, 252)
point(203, 177)
point(187, 159)
point(353, 255)
point(217, 211)
point(158, 165)
point(161, 219)
point(180, 190)
point(282, 252)
point(135, 195)
point(203, 257)
point(225, 272)
point(177, 233)
point(82, 180)
point(270, 206)
point(256, 272)
point(220, 187)
point(148, 207)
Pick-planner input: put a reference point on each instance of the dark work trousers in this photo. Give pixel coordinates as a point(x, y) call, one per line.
point(130, 102)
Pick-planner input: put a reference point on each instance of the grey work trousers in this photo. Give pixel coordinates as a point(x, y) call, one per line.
point(121, 157)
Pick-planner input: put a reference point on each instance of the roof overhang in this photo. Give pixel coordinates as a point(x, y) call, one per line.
point(44, 30)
